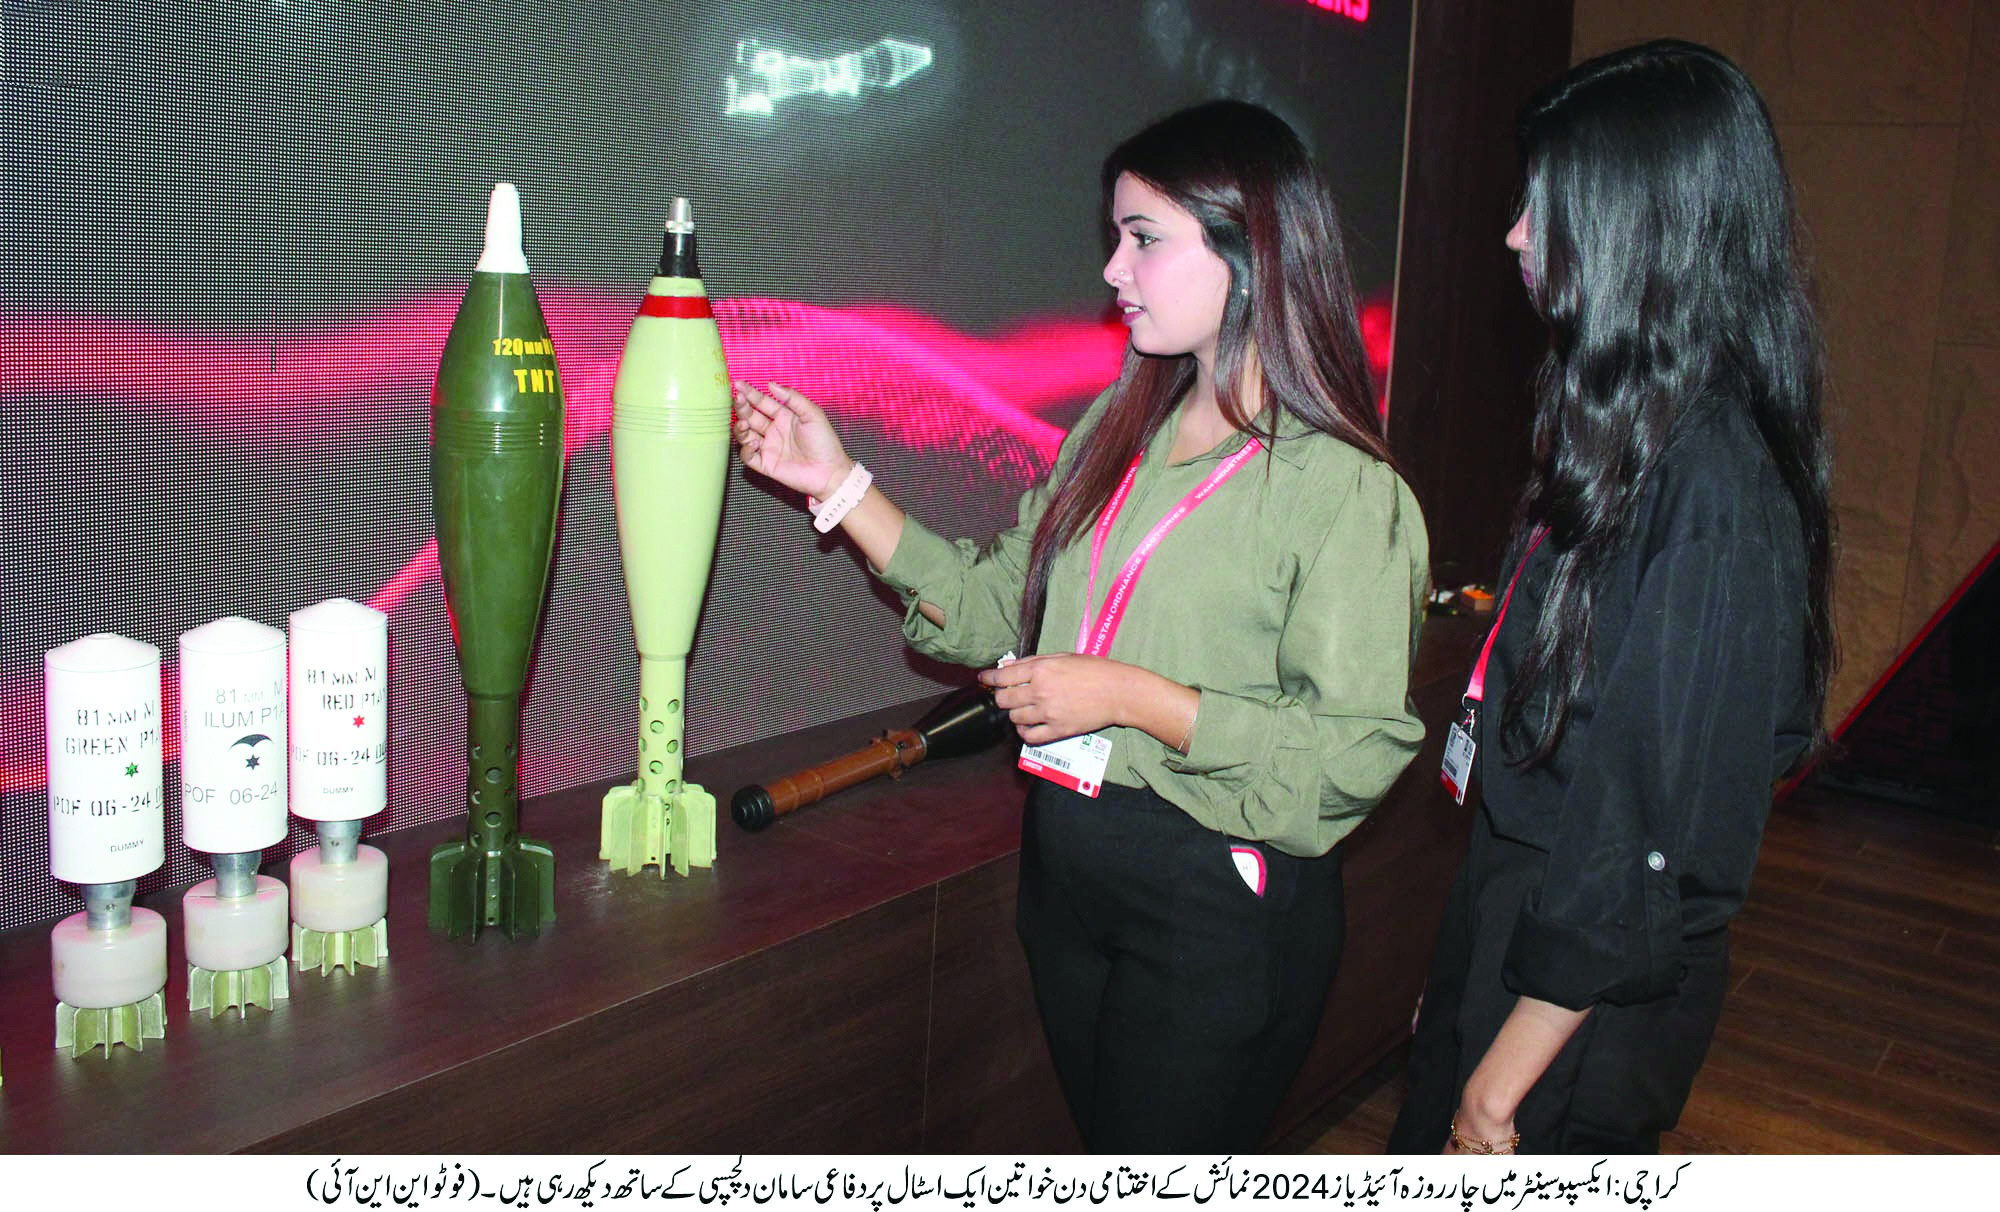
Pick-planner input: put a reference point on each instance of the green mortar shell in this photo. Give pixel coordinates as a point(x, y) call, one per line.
point(669, 463)
point(496, 478)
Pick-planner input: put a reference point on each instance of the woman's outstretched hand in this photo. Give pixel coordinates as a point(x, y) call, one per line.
point(783, 435)
point(787, 437)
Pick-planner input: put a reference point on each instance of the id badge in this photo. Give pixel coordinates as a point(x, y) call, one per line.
point(1076, 762)
point(1458, 750)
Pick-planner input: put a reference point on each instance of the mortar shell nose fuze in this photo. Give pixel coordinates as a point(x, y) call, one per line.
point(502, 254)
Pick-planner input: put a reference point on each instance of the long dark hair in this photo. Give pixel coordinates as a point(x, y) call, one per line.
point(1263, 209)
point(1664, 255)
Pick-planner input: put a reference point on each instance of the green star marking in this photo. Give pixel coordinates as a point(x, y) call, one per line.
point(131, 768)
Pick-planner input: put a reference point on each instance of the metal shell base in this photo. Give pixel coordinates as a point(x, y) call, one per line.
point(513, 889)
point(641, 830)
point(239, 990)
point(330, 949)
point(132, 1024)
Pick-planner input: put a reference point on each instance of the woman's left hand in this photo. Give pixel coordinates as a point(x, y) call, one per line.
point(1472, 1126)
point(1534, 1032)
point(1063, 694)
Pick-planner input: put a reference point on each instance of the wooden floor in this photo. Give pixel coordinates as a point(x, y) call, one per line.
point(1864, 1013)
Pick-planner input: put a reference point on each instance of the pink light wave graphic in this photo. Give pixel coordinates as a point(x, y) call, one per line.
point(904, 372)
point(930, 386)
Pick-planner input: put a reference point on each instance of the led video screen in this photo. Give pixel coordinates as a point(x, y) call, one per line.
point(241, 228)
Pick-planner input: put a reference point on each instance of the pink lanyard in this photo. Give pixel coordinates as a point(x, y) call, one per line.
point(1097, 642)
point(1475, 690)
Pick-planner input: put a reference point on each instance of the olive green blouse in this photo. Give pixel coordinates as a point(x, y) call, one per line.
point(1290, 599)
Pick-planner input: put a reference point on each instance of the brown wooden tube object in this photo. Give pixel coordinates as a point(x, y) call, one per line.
point(964, 721)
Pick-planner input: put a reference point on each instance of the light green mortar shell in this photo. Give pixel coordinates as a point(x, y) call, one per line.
point(670, 461)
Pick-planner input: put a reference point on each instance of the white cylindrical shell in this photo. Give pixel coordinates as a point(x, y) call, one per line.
point(98, 969)
point(107, 820)
point(229, 934)
point(233, 737)
point(339, 711)
point(346, 896)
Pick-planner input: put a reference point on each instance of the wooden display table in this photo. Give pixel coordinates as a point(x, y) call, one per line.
point(846, 981)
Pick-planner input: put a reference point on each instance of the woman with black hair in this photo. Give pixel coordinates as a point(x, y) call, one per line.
point(1218, 724)
point(1666, 642)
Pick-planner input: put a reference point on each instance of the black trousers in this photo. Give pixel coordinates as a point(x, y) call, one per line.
point(1618, 1083)
point(1178, 1003)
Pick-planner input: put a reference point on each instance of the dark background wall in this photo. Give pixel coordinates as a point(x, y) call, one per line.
point(245, 232)
point(1466, 340)
point(241, 232)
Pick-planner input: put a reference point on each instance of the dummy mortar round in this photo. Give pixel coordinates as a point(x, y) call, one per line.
point(235, 741)
point(338, 711)
point(496, 481)
point(669, 462)
point(107, 792)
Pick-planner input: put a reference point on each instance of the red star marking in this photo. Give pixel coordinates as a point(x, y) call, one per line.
point(357, 721)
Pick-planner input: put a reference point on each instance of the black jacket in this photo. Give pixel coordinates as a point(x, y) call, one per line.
point(1652, 808)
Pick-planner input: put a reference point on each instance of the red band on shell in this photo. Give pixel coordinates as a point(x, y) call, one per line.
point(677, 307)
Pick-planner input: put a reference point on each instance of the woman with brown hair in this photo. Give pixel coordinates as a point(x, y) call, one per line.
point(1218, 724)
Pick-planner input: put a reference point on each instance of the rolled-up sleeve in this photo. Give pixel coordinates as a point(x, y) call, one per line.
point(1301, 768)
point(977, 588)
point(1659, 827)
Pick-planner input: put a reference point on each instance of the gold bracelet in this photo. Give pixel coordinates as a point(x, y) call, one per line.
point(1484, 1148)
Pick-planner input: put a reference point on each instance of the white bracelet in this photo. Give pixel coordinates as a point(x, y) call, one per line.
point(827, 514)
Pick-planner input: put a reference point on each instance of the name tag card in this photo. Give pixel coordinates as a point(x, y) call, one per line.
point(1076, 763)
point(1458, 751)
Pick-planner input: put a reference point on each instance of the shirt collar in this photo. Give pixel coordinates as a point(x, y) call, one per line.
point(1287, 450)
